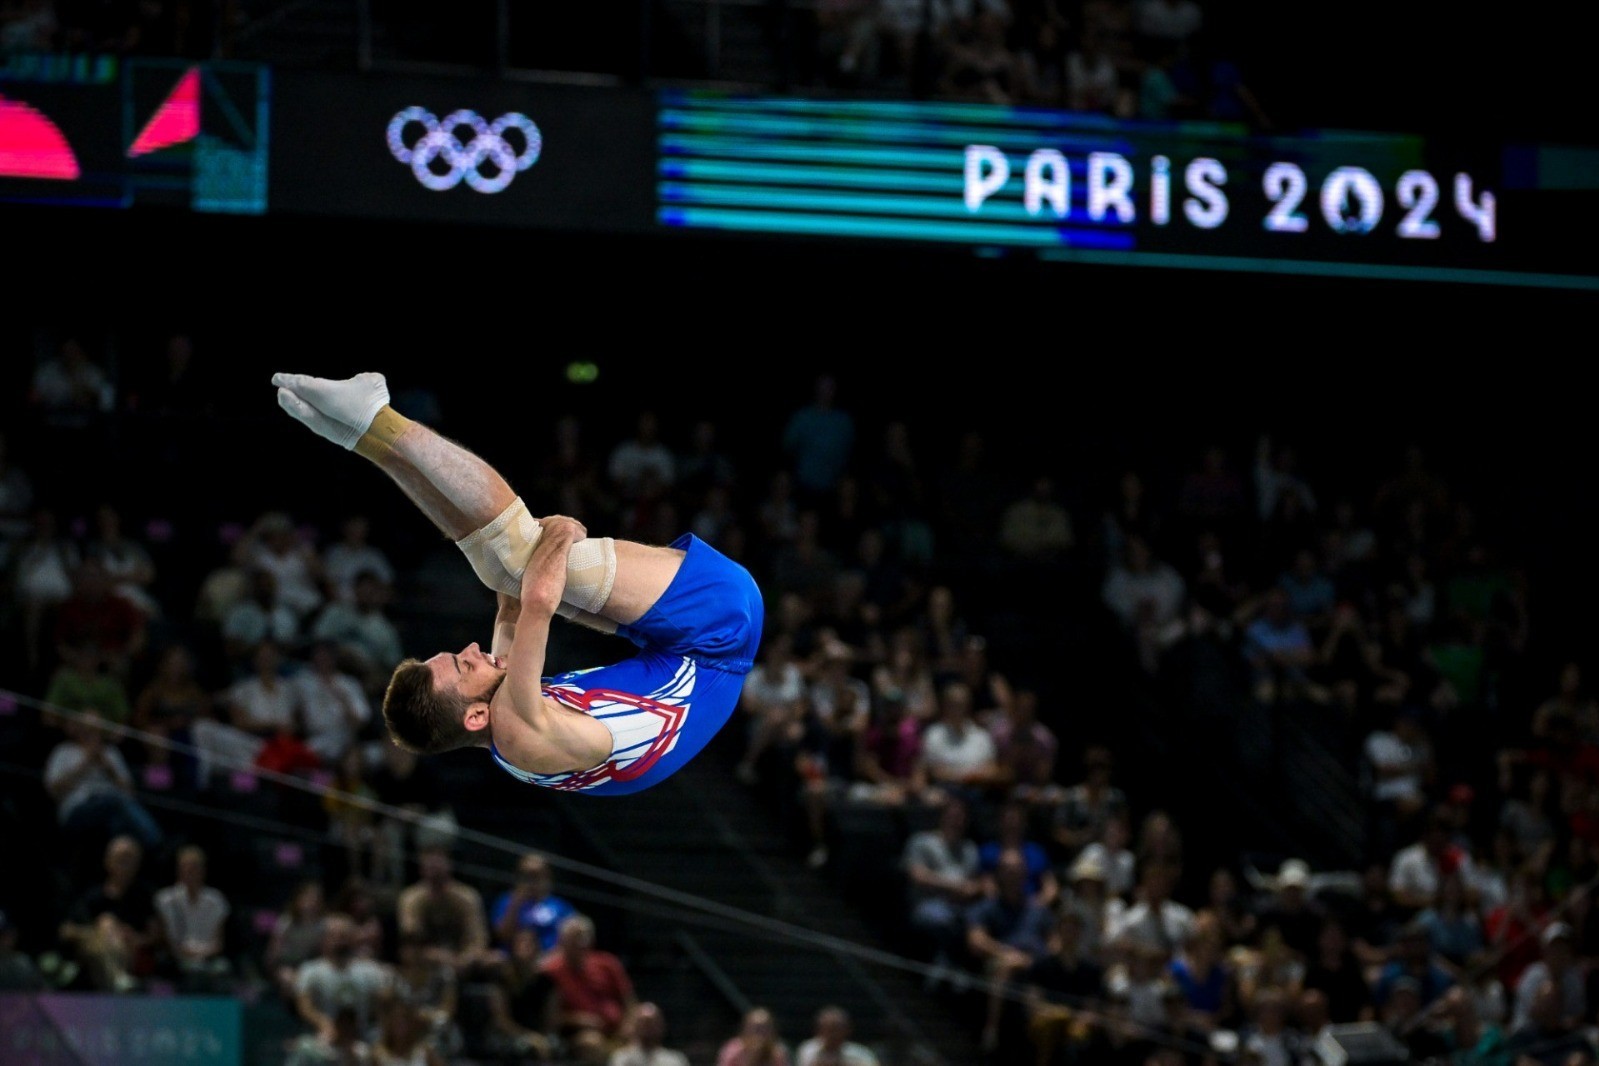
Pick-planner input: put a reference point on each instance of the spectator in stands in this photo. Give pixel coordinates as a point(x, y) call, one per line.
point(428, 988)
point(1013, 836)
point(1037, 529)
point(126, 561)
point(1311, 595)
point(1417, 870)
point(773, 699)
point(363, 630)
point(92, 788)
point(942, 875)
point(411, 785)
point(1146, 595)
point(352, 555)
point(704, 465)
point(265, 703)
point(522, 1003)
point(887, 756)
point(646, 1045)
point(40, 573)
point(1092, 81)
point(944, 632)
point(1413, 960)
point(297, 936)
point(333, 705)
point(258, 617)
point(1232, 909)
point(194, 918)
point(1467, 1036)
point(1527, 812)
point(357, 901)
point(593, 993)
point(1026, 748)
point(1547, 1036)
point(274, 545)
point(113, 930)
point(1153, 919)
point(168, 706)
point(83, 681)
point(831, 1044)
point(801, 565)
point(1335, 972)
point(905, 675)
point(958, 756)
point(71, 386)
point(639, 457)
point(1061, 985)
point(1087, 896)
point(1453, 926)
point(1007, 933)
point(1280, 654)
point(403, 1038)
point(818, 440)
point(1089, 805)
point(17, 971)
point(16, 497)
point(337, 979)
point(1559, 968)
point(1276, 473)
point(96, 618)
point(446, 914)
point(1293, 910)
point(531, 903)
point(1201, 972)
point(1267, 1039)
point(757, 1043)
point(338, 1043)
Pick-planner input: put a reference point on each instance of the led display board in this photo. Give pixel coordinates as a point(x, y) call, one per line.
point(1092, 189)
point(101, 131)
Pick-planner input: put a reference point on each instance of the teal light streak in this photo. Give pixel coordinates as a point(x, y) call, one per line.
point(804, 200)
point(794, 174)
point(932, 158)
point(851, 128)
point(1372, 271)
point(844, 226)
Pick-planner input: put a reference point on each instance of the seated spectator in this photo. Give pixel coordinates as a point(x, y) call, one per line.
point(446, 914)
point(1267, 1039)
point(351, 821)
point(757, 1043)
point(84, 681)
point(113, 930)
point(1064, 981)
point(1086, 896)
point(1558, 969)
point(522, 1005)
point(265, 703)
point(365, 635)
point(427, 988)
point(70, 386)
point(887, 756)
point(1293, 910)
point(352, 555)
point(1232, 909)
point(258, 617)
point(836, 716)
point(593, 994)
point(1469, 1038)
point(411, 785)
point(1026, 748)
point(357, 902)
point(1417, 870)
point(1335, 972)
point(194, 919)
point(127, 562)
point(773, 700)
point(1453, 927)
point(1201, 972)
point(1153, 919)
point(1401, 1013)
point(804, 567)
point(1400, 764)
point(297, 936)
point(532, 904)
point(1082, 813)
point(339, 1043)
point(40, 575)
point(1548, 1037)
point(1141, 994)
point(639, 456)
point(1111, 854)
point(92, 788)
point(333, 704)
point(1013, 836)
point(168, 707)
point(646, 1046)
point(1413, 960)
point(1146, 596)
point(403, 1038)
point(336, 979)
point(941, 872)
point(16, 489)
point(274, 545)
point(1278, 649)
point(1311, 595)
point(97, 618)
point(958, 756)
point(831, 1045)
point(1037, 527)
point(17, 971)
point(1007, 933)
point(904, 675)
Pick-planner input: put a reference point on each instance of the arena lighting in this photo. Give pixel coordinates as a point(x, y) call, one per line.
point(582, 372)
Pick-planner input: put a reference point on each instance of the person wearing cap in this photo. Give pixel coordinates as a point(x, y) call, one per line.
point(1558, 967)
point(1292, 910)
point(17, 971)
point(1087, 896)
point(1110, 851)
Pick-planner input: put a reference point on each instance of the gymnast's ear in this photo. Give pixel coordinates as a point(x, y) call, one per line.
point(477, 716)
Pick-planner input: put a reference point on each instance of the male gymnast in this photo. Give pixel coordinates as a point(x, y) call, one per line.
point(694, 614)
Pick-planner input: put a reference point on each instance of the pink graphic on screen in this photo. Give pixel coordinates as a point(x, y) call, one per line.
point(31, 146)
point(176, 121)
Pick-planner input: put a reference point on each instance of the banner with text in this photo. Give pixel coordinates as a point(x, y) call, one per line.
point(89, 1030)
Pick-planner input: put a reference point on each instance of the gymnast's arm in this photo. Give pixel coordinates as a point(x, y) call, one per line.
point(505, 619)
point(543, 737)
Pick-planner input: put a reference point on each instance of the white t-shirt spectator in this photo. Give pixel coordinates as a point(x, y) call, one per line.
point(360, 985)
point(109, 776)
point(765, 688)
point(636, 1056)
point(1415, 872)
point(1141, 924)
point(265, 708)
point(1384, 749)
point(368, 633)
point(296, 584)
point(632, 459)
point(328, 704)
point(1124, 591)
point(192, 921)
point(850, 1054)
point(248, 623)
point(932, 852)
point(1169, 20)
point(343, 562)
point(1572, 988)
point(1120, 867)
point(951, 755)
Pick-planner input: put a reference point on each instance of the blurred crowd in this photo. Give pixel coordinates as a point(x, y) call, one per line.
point(1058, 909)
point(1150, 59)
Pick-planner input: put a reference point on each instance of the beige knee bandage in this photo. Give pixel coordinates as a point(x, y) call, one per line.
point(500, 550)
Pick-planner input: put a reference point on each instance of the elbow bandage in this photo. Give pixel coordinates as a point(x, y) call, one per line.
point(499, 553)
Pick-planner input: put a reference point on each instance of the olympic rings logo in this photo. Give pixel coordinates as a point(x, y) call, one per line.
point(426, 143)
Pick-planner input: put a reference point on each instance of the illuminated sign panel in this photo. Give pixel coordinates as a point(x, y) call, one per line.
point(109, 132)
point(1085, 187)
